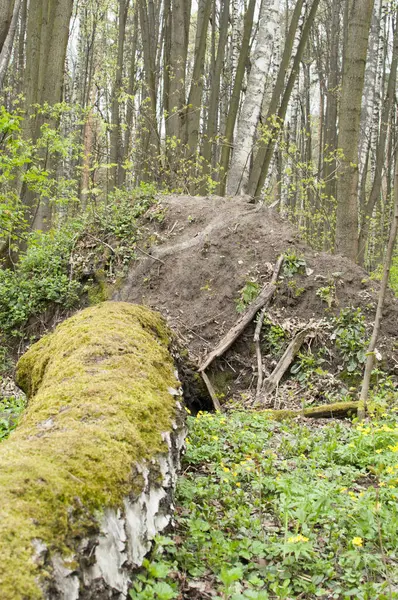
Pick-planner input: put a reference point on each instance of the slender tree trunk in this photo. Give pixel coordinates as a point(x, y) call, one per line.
point(264, 155)
point(131, 91)
point(370, 359)
point(176, 69)
point(330, 136)
point(380, 151)
point(196, 89)
point(250, 113)
point(215, 85)
point(6, 12)
point(47, 38)
point(359, 17)
point(116, 141)
point(5, 53)
point(22, 43)
point(234, 104)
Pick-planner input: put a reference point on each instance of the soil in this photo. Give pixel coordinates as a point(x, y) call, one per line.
point(192, 266)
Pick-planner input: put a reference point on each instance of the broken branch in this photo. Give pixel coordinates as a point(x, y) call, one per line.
point(262, 299)
point(287, 359)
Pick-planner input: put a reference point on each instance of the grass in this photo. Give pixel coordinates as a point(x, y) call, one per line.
point(281, 510)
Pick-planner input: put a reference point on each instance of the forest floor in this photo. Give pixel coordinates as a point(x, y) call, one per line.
point(265, 509)
point(210, 257)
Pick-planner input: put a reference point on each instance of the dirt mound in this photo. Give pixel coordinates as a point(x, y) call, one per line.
point(194, 264)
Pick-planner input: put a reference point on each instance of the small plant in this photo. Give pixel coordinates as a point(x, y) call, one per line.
point(306, 365)
point(350, 335)
point(293, 264)
point(273, 337)
point(294, 290)
point(327, 294)
point(10, 410)
point(248, 293)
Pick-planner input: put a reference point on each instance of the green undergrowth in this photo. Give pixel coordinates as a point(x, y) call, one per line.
point(59, 267)
point(281, 510)
point(99, 401)
point(10, 410)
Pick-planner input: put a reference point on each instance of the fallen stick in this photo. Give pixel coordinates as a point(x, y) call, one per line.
point(256, 338)
point(338, 410)
point(262, 299)
point(211, 391)
point(286, 360)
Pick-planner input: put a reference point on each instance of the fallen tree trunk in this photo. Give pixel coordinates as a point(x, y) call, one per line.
point(338, 410)
point(86, 479)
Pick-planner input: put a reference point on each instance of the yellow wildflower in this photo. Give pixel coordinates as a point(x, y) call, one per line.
point(357, 541)
point(295, 539)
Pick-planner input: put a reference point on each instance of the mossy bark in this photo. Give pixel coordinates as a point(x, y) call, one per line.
point(338, 410)
point(86, 479)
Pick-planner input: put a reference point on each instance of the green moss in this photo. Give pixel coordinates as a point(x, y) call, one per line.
point(99, 291)
point(338, 409)
point(98, 403)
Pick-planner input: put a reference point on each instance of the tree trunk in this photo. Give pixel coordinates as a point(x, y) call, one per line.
point(250, 113)
point(47, 38)
point(265, 153)
point(195, 93)
point(116, 141)
point(374, 196)
point(370, 359)
point(359, 17)
point(179, 36)
point(5, 53)
point(6, 12)
point(211, 127)
point(234, 104)
point(92, 466)
point(261, 154)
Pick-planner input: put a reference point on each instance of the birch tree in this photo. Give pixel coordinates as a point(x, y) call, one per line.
point(250, 112)
point(6, 12)
point(6, 50)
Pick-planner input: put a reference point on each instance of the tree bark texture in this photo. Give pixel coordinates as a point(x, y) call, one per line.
point(370, 359)
point(6, 12)
point(359, 14)
point(88, 475)
point(250, 112)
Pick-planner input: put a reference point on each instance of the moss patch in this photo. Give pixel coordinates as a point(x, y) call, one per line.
point(99, 400)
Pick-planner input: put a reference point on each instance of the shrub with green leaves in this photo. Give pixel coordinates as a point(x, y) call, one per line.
point(349, 332)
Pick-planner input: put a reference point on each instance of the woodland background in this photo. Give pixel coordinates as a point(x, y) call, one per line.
point(293, 103)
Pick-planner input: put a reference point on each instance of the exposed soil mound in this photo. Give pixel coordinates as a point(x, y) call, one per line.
point(195, 263)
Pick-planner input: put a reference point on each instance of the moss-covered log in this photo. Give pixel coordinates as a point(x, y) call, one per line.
point(87, 477)
point(338, 410)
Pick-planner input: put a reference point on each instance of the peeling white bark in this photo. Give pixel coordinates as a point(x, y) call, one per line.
point(248, 121)
point(106, 562)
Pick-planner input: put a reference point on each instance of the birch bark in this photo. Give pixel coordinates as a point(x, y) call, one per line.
point(247, 125)
point(5, 52)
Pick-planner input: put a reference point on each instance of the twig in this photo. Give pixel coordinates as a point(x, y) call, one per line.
point(149, 255)
point(257, 334)
point(102, 242)
point(287, 359)
point(235, 331)
point(211, 391)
